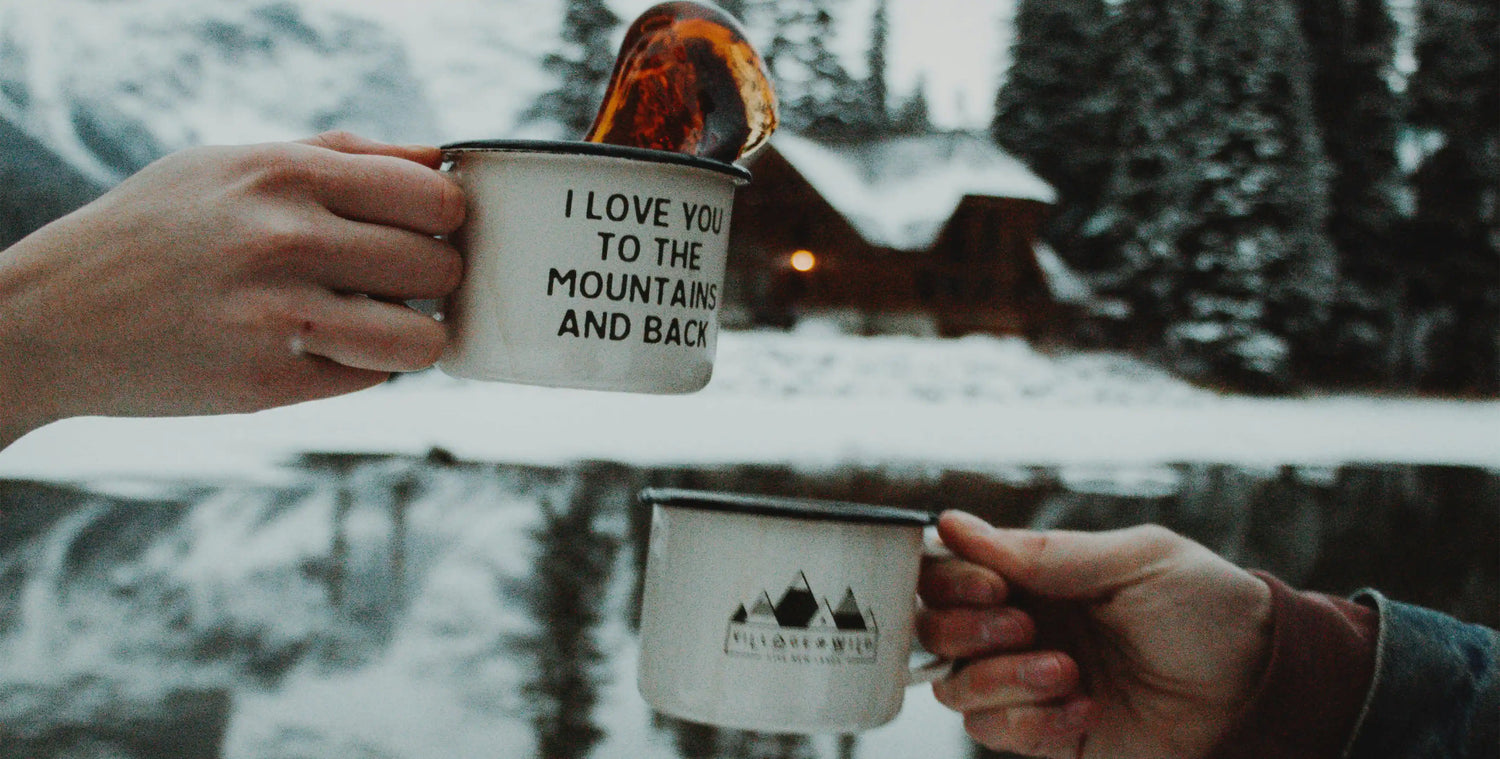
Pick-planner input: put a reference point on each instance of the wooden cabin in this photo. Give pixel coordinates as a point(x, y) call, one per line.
point(938, 230)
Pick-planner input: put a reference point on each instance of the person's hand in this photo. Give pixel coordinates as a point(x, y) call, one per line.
point(1130, 643)
point(230, 279)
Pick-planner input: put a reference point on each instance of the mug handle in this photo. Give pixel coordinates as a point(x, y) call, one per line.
point(934, 667)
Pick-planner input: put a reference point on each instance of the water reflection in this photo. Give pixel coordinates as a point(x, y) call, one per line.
point(424, 607)
point(566, 596)
point(695, 741)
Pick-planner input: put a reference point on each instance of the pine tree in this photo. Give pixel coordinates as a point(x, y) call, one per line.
point(1057, 108)
point(1452, 253)
point(1217, 199)
point(581, 66)
point(818, 95)
point(1352, 43)
point(913, 117)
point(877, 97)
point(736, 8)
point(757, 17)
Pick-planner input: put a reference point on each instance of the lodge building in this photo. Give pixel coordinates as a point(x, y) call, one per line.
point(933, 234)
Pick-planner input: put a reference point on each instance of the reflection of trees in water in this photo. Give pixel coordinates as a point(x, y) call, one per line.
point(848, 746)
point(1426, 535)
point(365, 574)
point(698, 741)
point(743, 745)
point(566, 597)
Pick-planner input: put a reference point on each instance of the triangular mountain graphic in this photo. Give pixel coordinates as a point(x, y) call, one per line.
point(797, 605)
point(763, 612)
point(739, 615)
point(823, 620)
point(847, 615)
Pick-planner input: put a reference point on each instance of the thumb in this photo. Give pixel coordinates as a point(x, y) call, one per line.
point(353, 144)
point(1057, 563)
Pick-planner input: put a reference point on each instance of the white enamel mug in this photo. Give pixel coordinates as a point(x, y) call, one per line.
point(780, 615)
point(588, 266)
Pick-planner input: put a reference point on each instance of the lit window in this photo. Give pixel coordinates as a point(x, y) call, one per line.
point(804, 260)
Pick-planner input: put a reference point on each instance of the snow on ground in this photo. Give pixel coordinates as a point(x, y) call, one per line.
point(812, 400)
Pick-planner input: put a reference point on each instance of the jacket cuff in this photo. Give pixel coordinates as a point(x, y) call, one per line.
point(1319, 673)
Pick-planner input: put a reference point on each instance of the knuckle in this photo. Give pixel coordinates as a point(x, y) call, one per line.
point(1153, 533)
point(277, 164)
point(987, 676)
point(1155, 539)
point(338, 139)
point(281, 170)
point(284, 239)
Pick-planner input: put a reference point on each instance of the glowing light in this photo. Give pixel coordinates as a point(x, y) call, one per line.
point(804, 260)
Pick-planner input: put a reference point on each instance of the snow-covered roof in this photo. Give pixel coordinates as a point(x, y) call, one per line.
point(899, 192)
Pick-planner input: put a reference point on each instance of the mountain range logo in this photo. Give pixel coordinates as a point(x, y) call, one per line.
point(802, 627)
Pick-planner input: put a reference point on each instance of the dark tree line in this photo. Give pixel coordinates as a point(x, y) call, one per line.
point(1252, 187)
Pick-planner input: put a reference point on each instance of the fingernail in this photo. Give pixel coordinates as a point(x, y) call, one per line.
point(1043, 672)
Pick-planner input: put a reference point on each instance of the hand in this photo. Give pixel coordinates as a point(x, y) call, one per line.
point(1131, 643)
point(229, 279)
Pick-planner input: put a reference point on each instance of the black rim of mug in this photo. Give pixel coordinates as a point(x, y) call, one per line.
point(786, 507)
point(740, 174)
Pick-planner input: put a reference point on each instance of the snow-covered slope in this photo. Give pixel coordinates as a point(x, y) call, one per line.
point(111, 85)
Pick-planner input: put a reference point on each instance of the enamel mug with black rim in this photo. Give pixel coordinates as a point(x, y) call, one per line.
point(780, 615)
point(587, 265)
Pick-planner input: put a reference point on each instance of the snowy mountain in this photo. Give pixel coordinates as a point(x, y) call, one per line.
point(109, 86)
point(26, 204)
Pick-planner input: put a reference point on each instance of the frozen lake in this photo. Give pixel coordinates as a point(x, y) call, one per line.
point(425, 608)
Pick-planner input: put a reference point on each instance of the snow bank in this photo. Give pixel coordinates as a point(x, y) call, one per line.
point(808, 400)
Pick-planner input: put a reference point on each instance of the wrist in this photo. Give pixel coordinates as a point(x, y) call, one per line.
point(21, 409)
point(27, 400)
point(1245, 649)
point(1313, 683)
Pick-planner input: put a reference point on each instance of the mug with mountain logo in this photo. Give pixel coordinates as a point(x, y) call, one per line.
point(780, 615)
